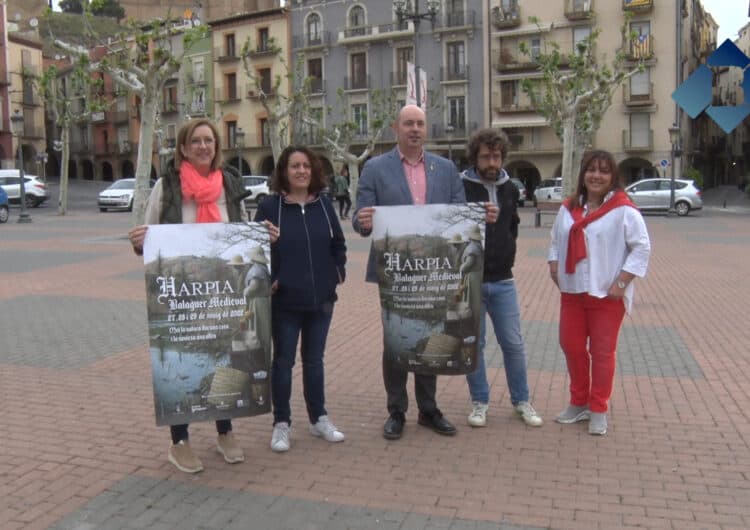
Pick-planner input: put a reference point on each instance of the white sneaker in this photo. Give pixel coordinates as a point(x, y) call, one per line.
point(528, 414)
point(326, 430)
point(478, 416)
point(573, 414)
point(280, 437)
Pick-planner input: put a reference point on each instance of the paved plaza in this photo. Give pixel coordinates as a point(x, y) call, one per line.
point(79, 448)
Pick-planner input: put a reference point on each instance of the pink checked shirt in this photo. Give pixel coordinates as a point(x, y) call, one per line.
point(416, 178)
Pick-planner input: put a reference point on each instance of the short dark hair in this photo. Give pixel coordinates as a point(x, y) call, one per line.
point(493, 138)
point(279, 177)
point(183, 139)
point(604, 158)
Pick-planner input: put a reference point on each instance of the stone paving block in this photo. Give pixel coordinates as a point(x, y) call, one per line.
point(35, 260)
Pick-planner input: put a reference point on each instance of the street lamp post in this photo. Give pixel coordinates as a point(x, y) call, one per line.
point(16, 122)
point(674, 139)
point(239, 144)
point(42, 159)
point(449, 132)
point(405, 11)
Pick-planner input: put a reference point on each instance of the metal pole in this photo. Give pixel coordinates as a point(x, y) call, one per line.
point(23, 217)
point(671, 185)
point(416, 20)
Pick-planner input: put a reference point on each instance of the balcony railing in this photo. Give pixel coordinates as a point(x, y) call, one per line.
point(509, 16)
point(634, 100)
point(357, 83)
point(226, 94)
point(640, 48)
point(311, 41)
point(253, 91)
point(513, 59)
point(169, 108)
point(263, 50)
point(637, 5)
point(317, 85)
point(633, 141)
point(223, 55)
point(457, 19)
point(459, 72)
point(453, 131)
point(119, 116)
point(578, 9)
point(197, 108)
point(357, 31)
point(192, 79)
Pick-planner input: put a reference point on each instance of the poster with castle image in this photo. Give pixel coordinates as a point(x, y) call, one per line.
point(430, 261)
point(208, 291)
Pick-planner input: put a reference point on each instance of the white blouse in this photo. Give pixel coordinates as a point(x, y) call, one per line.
point(618, 241)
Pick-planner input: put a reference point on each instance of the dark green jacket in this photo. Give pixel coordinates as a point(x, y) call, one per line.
point(171, 204)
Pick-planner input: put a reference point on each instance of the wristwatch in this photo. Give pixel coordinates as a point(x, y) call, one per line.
point(621, 284)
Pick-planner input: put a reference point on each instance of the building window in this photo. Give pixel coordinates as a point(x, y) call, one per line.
point(315, 74)
point(359, 117)
point(231, 134)
point(640, 85)
point(264, 78)
point(456, 66)
point(229, 46)
point(454, 12)
point(313, 29)
point(508, 94)
point(403, 57)
point(265, 132)
point(230, 86)
point(536, 47)
point(356, 21)
point(457, 113)
point(198, 105)
point(198, 70)
point(358, 70)
point(640, 130)
point(580, 33)
point(170, 99)
point(263, 40)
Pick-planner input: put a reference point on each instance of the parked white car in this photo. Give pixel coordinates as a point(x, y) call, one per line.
point(257, 185)
point(548, 190)
point(35, 190)
point(119, 195)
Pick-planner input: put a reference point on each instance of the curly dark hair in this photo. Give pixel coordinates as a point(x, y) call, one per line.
point(493, 138)
point(279, 179)
point(605, 160)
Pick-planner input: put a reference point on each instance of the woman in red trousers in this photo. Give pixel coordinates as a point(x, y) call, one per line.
point(599, 245)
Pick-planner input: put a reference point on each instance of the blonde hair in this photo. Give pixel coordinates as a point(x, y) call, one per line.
point(186, 133)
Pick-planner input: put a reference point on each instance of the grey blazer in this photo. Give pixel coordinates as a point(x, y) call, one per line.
point(383, 183)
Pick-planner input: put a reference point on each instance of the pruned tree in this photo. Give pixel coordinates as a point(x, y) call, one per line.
point(574, 93)
point(271, 91)
point(339, 135)
point(141, 61)
point(71, 96)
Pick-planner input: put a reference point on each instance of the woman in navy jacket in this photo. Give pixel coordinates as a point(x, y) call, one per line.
point(307, 263)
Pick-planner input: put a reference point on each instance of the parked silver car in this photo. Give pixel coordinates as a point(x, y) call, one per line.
point(35, 190)
point(653, 195)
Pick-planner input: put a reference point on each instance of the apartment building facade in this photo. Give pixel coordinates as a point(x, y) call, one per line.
point(635, 128)
point(202, 9)
point(355, 47)
point(238, 107)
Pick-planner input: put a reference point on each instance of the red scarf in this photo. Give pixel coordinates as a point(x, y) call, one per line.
point(205, 191)
point(576, 240)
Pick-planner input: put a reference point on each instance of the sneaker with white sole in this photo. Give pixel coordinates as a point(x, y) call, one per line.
point(478, 416)
point(280, 437)
point(326, 430)
point(573, 414)
point(183, 458)
point(528, 414)
point(598, 423)
point(227, 445)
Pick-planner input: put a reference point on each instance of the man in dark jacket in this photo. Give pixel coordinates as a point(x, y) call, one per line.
point(487, 181)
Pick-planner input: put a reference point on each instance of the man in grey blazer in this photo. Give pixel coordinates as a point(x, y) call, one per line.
point(408, 175)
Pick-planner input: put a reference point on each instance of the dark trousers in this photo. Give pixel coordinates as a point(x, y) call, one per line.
point(394, 380)
point(180, 432)
point(345, 203)
point(288, 327)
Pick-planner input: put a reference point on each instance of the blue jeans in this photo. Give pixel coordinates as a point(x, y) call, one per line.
point(287, 327)
point(500, 300)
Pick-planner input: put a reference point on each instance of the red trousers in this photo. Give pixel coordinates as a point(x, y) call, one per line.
point(589, 328)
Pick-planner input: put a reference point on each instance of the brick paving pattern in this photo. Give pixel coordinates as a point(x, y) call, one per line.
point(79, 448)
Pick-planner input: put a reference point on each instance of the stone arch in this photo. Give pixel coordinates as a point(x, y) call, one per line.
point(126, 169)
point(267, 165)
point(527, 172)
point(88, 169)
point(107, 172)
point(53, 165)
point(240, 164)
point(635, 168)
point(72, 169)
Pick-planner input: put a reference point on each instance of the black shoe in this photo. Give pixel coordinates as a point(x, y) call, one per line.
point(437, 423)
point(394, 426)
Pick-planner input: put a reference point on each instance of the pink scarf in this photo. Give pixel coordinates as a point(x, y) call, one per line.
point(205, 191)
point(576, 240)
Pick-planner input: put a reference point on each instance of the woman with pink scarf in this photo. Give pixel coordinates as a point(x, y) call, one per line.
point(199, 191)
point(599, 246)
